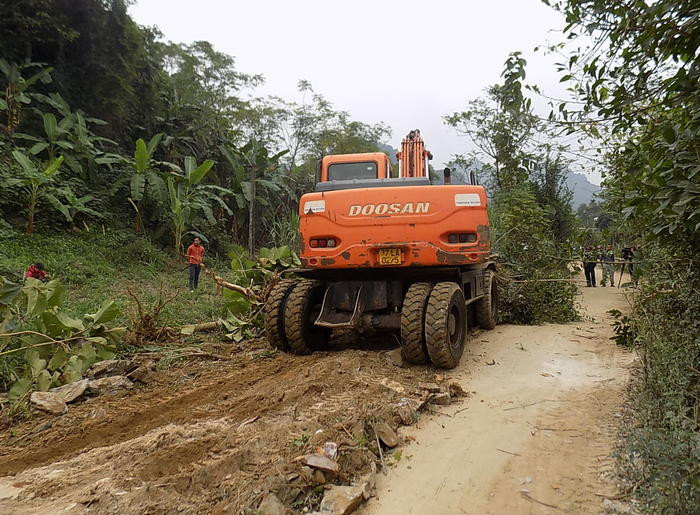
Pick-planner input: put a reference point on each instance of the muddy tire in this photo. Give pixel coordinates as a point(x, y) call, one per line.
point(486, 308)
point(273, 314)
point(445, 324)
point(302, 336)
point(415, 303)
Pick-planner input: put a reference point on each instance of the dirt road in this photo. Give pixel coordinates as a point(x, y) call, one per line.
point(216, 435)
point(536, 434)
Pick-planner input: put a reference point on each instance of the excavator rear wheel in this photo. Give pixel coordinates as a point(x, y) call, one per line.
point(445, 324)
point(273, 314)
point(487, 307)
point(413, 347)
point(302, 336)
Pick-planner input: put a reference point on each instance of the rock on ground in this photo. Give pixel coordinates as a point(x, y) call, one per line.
point(48, 401)
point(109, 384)
point(108, 367)
point(320, 462)
point(394, 357)
point(441, 399)
point(407, 411)
point(386, 434)
point(271, 505)
point(341, 500)
point(71, 391)
point(144, 374)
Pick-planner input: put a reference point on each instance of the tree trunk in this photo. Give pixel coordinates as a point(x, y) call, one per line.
point(251, 213)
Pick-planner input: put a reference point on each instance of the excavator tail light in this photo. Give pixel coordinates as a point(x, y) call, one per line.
point(315, 243)
point(468, 237)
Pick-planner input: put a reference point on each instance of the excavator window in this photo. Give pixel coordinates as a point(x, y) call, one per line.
point(348, 171)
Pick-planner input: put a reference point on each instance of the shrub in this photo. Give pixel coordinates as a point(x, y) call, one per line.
point(528, 252)
point(662, 450)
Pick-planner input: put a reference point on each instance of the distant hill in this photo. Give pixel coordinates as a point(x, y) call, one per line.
point(584, 191)
point(388, 150)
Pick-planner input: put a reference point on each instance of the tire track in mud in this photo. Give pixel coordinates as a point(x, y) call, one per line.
point(239, 393)
point(172, 447)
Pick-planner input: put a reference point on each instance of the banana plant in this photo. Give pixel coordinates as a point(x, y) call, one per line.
point(188, 196)
point(33, 182)
point(145, 172)
point(253, 165)
point(69, 134)
point(55, 348)
point(16, 91)
point(72, 206)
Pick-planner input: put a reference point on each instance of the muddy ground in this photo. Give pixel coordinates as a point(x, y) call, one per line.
point(216, 435)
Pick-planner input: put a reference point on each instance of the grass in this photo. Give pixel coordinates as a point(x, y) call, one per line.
point(96, 267)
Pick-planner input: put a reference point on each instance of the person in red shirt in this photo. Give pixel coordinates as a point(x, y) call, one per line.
point(37, 271)
point(195, 256)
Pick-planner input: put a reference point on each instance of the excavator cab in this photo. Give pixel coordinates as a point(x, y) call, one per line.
point(346, 167)
point(388, 252)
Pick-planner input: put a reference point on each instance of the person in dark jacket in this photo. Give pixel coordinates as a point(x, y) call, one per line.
point(589, 261)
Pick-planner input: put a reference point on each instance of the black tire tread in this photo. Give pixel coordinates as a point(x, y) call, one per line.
point(435, 326)
point(483, 307)
point(273, 314)
point(413, 347)
point(294, 317)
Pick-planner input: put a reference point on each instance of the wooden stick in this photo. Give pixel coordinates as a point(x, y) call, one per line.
point(508, 452)
point(530, 498)
point(381, 454)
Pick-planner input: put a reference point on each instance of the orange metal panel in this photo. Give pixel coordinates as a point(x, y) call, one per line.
point(416, 219)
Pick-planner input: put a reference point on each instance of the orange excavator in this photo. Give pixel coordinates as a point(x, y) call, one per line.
point(390, 253)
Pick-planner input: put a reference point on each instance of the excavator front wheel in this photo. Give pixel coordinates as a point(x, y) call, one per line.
point(302, 336)
point(445, 324)
point(413, 346)
point(487, 306)
point(273, 314)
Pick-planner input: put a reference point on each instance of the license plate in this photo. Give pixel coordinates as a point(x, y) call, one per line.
point(390, 257)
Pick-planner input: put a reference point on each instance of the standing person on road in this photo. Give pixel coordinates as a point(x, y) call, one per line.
point(195, 256)
point(589, 259)
point(608, 259)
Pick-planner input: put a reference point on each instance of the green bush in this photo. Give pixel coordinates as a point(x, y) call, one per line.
point(528, 254)
point(662, 450)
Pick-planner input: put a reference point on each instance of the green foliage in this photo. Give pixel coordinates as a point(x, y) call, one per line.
point(622, 327)
point(187, 196)
point(72, 206)
point(56, 348)
point(256, 171)
point(502, 127)
point(662, 452)
point(526, 248)
point(256, 274)
point(637, 80)
point(32, 182)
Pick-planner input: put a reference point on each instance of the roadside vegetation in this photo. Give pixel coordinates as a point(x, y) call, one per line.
point(533, 227)
point(637, 86)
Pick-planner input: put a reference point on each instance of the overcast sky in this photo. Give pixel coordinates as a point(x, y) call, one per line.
point(402, 62)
